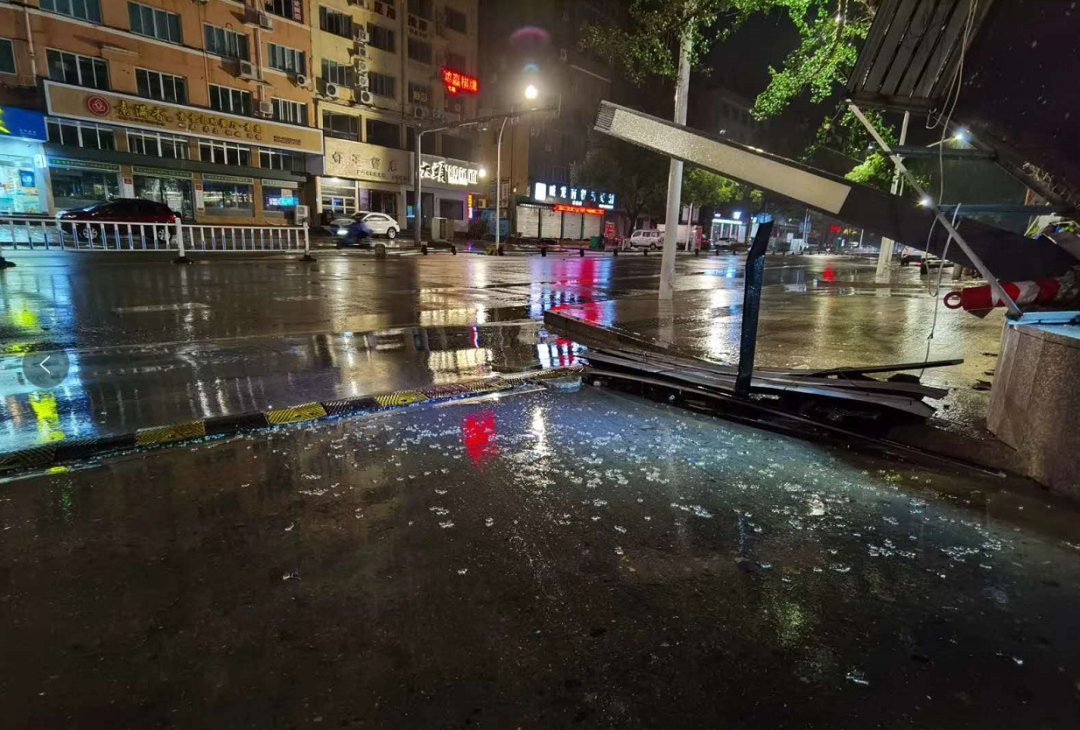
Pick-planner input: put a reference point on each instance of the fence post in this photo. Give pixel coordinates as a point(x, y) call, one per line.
point(307, 246)
point(181, 258)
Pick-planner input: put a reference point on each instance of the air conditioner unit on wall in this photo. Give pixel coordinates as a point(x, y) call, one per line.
point(331, 90)
point(301, 80)
point(266, 108)
point(362, 81)
point(366, 97)
point(360, 34)
point(438, 115)
point(245, 70)
point(419, 112)
point(265, 21)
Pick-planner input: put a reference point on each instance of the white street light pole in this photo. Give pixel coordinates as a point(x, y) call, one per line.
point(498, 180)
point(675, 173)
point(886, 251)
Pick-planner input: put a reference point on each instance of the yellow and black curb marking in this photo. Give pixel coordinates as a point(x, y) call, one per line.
point(48, 455)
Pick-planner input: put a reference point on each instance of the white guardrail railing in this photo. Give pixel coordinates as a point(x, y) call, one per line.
point(19, 235)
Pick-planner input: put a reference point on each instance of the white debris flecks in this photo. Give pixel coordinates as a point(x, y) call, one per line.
point(446, 525)
point(489, 522)
point(857, 677)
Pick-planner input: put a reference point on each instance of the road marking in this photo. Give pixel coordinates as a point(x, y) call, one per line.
point(167, 434)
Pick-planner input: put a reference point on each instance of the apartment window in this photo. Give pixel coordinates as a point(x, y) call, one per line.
point(276, 160)
point(419, 51)
point(381, 38)
point(382, 85)
point(71, 68)
point(421, 8)
point(334, 22)
point(224, 153)
point(337, 73)
point(455, 20)
point(155, 23)
point(7, 56)
point(158, 145)
point(163, 87)
point(419, 94)
point(225, 43)
point(81, 134)
point(228, 199)
point(383, 133)
point(293, 112)
point(235, 101)
point(342, 126)
point(89, 10)
point(285, 59)
point(290, 9)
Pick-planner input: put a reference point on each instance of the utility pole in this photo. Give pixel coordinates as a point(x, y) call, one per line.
point(675, 173)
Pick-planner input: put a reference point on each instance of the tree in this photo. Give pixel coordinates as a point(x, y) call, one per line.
point(636, 176)
point(669, 38)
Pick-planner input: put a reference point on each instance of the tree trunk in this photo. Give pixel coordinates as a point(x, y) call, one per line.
point(675, 173)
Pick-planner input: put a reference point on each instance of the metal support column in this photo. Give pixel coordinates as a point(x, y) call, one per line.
point(995, 286)
point(885, 254)
point(755, 278)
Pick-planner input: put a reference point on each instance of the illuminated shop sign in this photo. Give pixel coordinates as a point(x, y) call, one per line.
point(578, 209)
point(22, 123)
point(448, 172)
point(459, 83)
point(572, 195)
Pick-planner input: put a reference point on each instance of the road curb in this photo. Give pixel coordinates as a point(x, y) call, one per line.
point(55, 455)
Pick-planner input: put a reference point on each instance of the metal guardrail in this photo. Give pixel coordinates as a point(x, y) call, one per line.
point(19, 235)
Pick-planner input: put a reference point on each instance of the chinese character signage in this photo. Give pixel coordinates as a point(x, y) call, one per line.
point(573, 195)
point(104, 106)
point(459, 83)
point(455, 173)
point(361, 161)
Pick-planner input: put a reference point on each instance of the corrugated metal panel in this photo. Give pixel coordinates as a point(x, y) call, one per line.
point(910, 55)
point(571, 226)
point(593, 224)
point(550, 223)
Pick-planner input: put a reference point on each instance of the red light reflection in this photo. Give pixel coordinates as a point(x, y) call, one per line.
point(478, 436)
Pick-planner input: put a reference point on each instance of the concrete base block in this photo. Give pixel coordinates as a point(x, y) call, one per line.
point(1035, 401)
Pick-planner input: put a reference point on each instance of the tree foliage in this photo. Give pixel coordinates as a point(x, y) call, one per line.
point(636, 176)
point(652, 48)
point(705, 189)
point(831, 33)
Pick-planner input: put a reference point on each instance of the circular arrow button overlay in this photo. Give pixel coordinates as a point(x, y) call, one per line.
point(46, 369)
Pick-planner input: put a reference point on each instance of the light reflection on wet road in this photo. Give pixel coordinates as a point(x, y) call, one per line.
point(152, 343)
point(540, 560)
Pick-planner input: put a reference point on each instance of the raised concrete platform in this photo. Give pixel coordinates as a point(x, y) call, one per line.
point(1035, 403)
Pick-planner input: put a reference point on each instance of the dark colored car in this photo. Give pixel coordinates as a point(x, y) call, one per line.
point(119, 210)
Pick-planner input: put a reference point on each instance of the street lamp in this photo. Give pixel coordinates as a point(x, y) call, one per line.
point(531, 93)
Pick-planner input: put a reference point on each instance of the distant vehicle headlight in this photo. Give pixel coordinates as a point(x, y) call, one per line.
point(343, 231)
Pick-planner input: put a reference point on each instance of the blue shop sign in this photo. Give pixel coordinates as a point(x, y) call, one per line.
point(15, 122)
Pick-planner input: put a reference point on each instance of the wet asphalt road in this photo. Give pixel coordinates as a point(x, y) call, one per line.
point(541, 560)
point(152, 343)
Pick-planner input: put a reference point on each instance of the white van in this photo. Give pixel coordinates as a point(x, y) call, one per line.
point(649, 238)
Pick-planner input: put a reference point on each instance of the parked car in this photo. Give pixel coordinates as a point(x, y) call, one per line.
point(80, 222)
point(649, 238)
point(381, 224)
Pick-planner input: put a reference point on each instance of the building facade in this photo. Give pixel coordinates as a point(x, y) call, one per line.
point(380, 69)
point(231, 111)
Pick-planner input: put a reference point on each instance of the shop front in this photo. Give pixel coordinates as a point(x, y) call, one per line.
point(174, 188)
point(451, 184)
point(563, 212)
point(355, 176)
point(212, 167)
point(77, 183)
point(23, 182)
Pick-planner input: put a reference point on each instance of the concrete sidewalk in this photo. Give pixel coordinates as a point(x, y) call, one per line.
point(822, 323)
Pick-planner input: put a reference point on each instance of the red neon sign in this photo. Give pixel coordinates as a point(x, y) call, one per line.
point(578, 209)
point(457, 82)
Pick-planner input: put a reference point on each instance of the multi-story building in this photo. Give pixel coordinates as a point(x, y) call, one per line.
point(201, 105)
point(219, 107)
point(538, 42)
point(384, 68)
